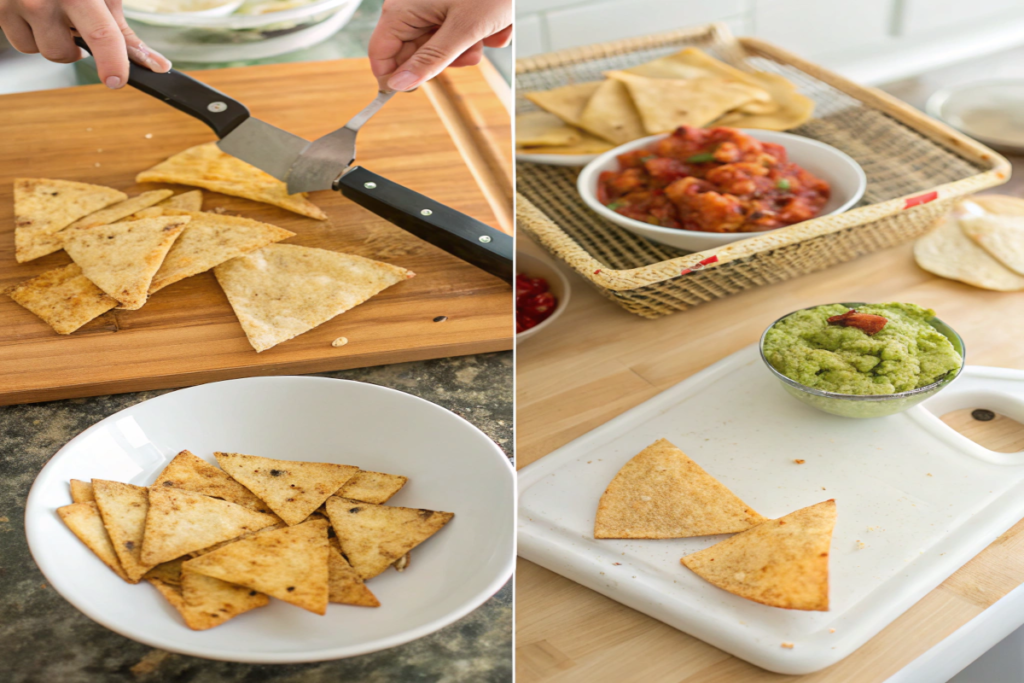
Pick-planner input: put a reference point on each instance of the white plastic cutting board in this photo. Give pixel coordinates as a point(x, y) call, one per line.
point(921, 498)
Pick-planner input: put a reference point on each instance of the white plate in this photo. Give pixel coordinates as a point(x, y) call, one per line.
point(556, 159)
point(923, 499)
point(451, 466)
point(843, 174)
point(557, 283)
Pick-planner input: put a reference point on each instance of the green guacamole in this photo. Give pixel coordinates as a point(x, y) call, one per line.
point(906, 354)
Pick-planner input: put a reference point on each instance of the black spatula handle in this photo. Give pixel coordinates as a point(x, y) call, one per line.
point(212, 107)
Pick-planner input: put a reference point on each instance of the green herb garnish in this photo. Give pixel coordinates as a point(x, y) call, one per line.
point(645, 159)
point(701, 158)
point(614, 205)
point(783, 184)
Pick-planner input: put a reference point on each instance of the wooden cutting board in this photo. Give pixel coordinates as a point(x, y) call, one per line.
point(450, 140)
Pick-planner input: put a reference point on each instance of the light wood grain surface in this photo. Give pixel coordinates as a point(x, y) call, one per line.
point(445, 141)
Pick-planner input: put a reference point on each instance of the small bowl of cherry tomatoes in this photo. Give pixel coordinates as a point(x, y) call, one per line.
point(542, 293)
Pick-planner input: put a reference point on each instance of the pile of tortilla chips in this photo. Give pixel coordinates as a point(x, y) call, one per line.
point(981, 243)
point(661, 493)
point(218, 542)
point(686, 88)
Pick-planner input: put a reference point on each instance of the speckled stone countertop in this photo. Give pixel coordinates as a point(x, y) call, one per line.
point(43, 639)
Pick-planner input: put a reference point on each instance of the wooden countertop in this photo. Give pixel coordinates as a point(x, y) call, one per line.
point(597, 361)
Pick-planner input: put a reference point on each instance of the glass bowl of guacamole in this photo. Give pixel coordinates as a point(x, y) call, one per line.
point(862, 360)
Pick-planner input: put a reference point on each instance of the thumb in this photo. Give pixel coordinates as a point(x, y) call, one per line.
point(431, 58)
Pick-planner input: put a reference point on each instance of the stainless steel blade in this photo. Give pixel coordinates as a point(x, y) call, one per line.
point(325, 159)
point(264, 146)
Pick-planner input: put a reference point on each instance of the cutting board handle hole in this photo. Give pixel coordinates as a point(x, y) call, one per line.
point(987, 428)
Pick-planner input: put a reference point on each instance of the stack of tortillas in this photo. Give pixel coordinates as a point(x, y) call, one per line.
point(688, 88)
point(980, 243)
point(218, 542)
point(661, 493)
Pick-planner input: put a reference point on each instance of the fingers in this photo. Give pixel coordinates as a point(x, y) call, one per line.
point(444, 47)
point(50, 31)
point(500, 39)
point(470, 57)
point(19, 34)
point(139, 52)
point(103, 36)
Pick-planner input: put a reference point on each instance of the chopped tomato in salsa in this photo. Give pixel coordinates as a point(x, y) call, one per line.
point(712, 180)
point(534, 302)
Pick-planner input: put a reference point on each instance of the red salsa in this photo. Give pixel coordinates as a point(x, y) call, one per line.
point(534, 302)
point(712, 180)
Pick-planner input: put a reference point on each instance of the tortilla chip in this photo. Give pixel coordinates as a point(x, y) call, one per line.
point(116, 212)
point(661, 493)
point(793, 108)
point(947, 252)
point(168, 572)
point(186, 201)
point(372, 487)
point(64, 298)
point(344, 584)
point(292, 489)
point(588, 144)
point(567, 102)
point(1001, 236)
point(283, 290)
point(217, 546)
point(85, 521)
point(81, 492)
point(180, 522)
point(541, 129)
point(202, 602)
point(210, 239)
point(373, 537)
point(781, 563)
point(122, 258)
point(206, 166)
point(123, 508)
point(289, 564)
point(610, 114)
point(43, 207)
point(664, 105)
point(191, 473)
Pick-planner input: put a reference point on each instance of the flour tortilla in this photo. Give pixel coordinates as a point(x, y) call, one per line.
point(122, 258)
point(542, 129)
point(344, 584)
point(116, 212)
point(191, 473)
point(567, 102)
point(372, 487)
point(664, 105)
point(661, 493)
point(123, 508)
point(85, 521)
point(210, 239)
point(611, 115)
point(202, 602)
point(282, 290)
point(588, 144)
point(289, 564)
point(63, 298)
point(947, 252)
point(81, 492)
point(793, 108)
point(206, 166)
point(43, 207)
point(998, 228)
point(373, 537)
point(780, 563)
point(186, 201)
point(292, 489)
point(180, 522)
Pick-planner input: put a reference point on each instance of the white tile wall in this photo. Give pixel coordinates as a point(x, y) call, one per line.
point(815, 27)
point(529, 37)
point(921, 16)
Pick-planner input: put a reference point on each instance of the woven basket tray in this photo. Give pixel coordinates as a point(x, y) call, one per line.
point(916, 169)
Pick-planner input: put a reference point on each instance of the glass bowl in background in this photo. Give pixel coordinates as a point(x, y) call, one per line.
point(876, 405)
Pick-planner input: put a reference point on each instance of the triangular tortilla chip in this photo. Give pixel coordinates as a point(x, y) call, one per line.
point(947, 252)
point(81, 492)
point(283, 290)
point(567, 102)
point(292, 489)
point(610, 114)
point(186, 201)
point(344, 584)
point(373, 537)
point(116, 212)
point(191, 473)
point(124, 507)
point(588, 144)
point(64, 298)
point(180, 522)
point(664, 105)
point(781, 563)
point(372, 487)
point(289, 564)
point(793, 108)
point(207, 167)
point(202, 602)
point(85, 521)
point(541, 129)
point(43, 207)
point(122, 258)
point(210, 239)
point(1001, 236)
point(661, 493)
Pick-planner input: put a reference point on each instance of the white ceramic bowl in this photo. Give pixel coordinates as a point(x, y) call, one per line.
point(558, 284)
point(843, 174)
point(451, 466)
point(555, 159)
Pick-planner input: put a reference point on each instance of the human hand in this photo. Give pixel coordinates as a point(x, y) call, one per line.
point(417, 39)
point(49, 26)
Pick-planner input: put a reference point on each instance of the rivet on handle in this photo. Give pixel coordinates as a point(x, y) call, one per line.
point(485, 238)
point(217, 107)
point(426, 212)
point(370, 186)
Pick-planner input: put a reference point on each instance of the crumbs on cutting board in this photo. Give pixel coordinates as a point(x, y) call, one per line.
point(340, 341)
